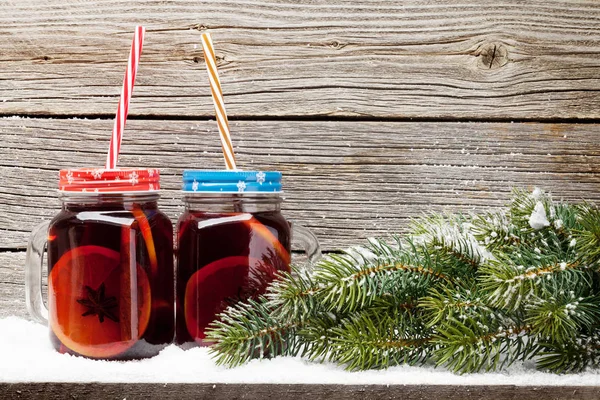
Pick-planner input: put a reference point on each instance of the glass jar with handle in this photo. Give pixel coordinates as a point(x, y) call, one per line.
point(110, 266)
point(232, 242)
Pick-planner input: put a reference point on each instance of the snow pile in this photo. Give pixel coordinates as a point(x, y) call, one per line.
point(28, 356)
point(538, 218)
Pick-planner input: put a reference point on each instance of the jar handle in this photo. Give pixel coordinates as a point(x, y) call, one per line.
point(309, 242)
point(34, 261)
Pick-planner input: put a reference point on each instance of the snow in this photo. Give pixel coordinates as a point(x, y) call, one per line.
point(538, 218)
point(28, 356)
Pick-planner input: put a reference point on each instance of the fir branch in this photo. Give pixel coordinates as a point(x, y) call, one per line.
point(374, 340)
point(349, 286)
point(471, 293)
point(471, 346)
point(562, 319)
point(509, 282)
point(587, 238)
point(555, 223)
point(247, 330)
point(450, 303)
point(346, 283)
point(293, 296)
point(574, 356)
point(449, 237)
point(524, 203)
point(495, 231)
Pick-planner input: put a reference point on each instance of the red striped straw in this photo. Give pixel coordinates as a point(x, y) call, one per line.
point(123, 108)
point(217, 96)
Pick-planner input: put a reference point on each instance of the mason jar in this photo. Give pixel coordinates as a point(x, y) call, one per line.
point(110, 266)
point(232, 242)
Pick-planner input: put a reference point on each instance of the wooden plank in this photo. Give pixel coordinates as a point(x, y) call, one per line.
point(284, 392)
point(345, 180)
point(12, 285)
point(480, 59)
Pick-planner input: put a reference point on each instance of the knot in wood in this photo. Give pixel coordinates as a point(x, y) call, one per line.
point(493, 56)
point(337, 45)
point(220, 60)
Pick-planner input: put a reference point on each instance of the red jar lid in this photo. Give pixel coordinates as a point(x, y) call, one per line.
point(109, 180)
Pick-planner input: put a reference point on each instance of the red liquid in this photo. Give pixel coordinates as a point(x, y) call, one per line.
point(224, 258)
point(111, 292)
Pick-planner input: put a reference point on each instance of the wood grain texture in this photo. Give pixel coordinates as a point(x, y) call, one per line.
point(12, 285)
point(284, 392)
point(480, 59)
point(345, 180)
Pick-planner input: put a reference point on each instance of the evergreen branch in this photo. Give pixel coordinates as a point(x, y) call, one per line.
point(564, 318)
point(574, 356)
point(451, 237)
point(496, 231)
point(293, 296)
point(343, 283)
point(508, 283)
point(545, 222)
point(352, 289)
point(452, 303)
point(587, 238)
point(523, 204)
point(375, 340)
point(247, 330)
point(471, 293)
point(471, 346)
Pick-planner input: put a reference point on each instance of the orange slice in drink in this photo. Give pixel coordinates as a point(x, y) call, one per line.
point(93, 311)
point(259, 229)
point(218, 285)
point(142, 221)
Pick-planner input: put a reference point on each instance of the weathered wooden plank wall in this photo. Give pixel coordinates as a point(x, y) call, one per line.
point(419, 59)
point(346, 180)
point(326, 91)
point(376, 111)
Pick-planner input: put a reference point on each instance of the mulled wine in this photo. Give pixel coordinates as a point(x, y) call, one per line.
point(110, 280)
point(110, 266)
point(223, 258)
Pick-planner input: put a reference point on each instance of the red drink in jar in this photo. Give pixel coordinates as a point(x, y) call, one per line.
point(110, 257)
point(232, 243)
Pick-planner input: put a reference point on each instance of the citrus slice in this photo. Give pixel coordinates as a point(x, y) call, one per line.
point(218, 285)
point(142, 221)
point(258, 228)
point(90, 296)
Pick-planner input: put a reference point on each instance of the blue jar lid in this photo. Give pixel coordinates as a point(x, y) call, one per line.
point(231, 181)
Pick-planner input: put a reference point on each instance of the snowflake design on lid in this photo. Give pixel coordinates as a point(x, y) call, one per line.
point(117, 178)
point(195, 186)
point(151, 173)
point(260, 177)
point(151, 186)
point(69, 176)
point(241, 185)
point(133, 178)
point(97, 173)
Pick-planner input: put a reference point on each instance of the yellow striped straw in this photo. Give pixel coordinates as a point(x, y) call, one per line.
point(217, 96)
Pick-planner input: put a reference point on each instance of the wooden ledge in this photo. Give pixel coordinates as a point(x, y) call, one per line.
point(282, 392)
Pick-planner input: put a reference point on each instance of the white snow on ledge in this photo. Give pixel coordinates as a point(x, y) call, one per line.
point(27, 356)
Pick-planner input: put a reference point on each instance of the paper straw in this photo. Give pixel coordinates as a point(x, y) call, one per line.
point(217, 96)
point(123, 108)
